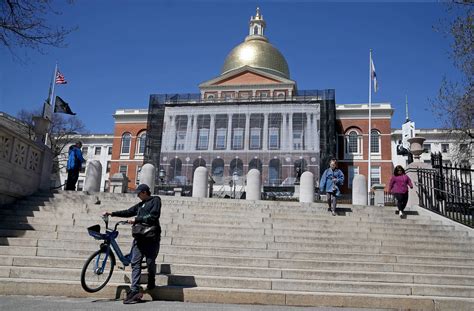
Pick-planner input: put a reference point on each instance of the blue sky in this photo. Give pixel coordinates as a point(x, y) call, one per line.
point(125, 50)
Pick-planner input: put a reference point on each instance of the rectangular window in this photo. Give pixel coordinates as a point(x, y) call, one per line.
point(297, 139)
point(80, 185)
point(238, 141)
point(83, 167)
point(97, 150)
point(203, 139)
point(255, 138)
point(180, 140)
point(353, 170)
point(107, 170)
point(444, 148)
point(221, 135)
point(109, 151)
point(375, 177)
point(273, 138)
point(427, 148)
point(123, 169)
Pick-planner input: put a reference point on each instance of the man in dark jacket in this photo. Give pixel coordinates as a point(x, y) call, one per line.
point(74, 165)
point(147, 212)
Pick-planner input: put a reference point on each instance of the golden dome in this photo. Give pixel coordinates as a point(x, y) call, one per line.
point(257, 52)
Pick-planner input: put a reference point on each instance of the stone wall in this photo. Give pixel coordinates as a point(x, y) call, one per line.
point(22, 163)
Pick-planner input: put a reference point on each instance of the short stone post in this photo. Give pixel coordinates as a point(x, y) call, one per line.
point(118, 183)
point(93, 176)
point(379, 196)
point(253, 189)
point(147, 176)
point(200, 182)
point(359, 190)
point(307, 187)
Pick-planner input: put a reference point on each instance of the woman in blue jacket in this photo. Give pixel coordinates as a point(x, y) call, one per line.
point(330, 182)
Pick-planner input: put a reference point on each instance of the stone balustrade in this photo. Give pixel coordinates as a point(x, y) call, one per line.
point(25, 165)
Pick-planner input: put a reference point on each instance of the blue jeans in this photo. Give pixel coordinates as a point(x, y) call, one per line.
point(140, 249)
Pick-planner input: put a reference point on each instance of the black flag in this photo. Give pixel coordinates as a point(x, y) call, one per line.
point(60, 106)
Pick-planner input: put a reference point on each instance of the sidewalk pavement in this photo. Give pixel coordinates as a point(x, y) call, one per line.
point(19, 303)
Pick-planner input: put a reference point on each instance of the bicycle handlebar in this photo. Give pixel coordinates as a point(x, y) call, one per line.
point(105, 218)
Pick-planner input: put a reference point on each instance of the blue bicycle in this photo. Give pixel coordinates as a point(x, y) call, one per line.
point(98, 268)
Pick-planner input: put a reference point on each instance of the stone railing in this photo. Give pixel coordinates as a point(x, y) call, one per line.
point(25, 165)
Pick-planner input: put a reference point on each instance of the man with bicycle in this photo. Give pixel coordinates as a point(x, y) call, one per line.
point(146, 243)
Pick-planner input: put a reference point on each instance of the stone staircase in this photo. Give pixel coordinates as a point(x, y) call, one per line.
point(267, 252)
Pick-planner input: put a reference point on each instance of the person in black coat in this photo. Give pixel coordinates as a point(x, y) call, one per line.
point(147, 213)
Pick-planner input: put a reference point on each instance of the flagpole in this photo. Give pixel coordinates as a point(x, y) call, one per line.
point(370, 128)
point(51, 98)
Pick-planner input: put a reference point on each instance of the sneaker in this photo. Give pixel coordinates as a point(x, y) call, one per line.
point(334, 213)
point(401, 214)
point(133, 297)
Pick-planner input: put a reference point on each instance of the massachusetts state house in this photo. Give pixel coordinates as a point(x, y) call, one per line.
point(251, 116)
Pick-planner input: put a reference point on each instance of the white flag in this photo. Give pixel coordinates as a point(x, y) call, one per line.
point(373, 74)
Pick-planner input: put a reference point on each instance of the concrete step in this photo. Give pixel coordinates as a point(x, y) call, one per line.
point(242, 296)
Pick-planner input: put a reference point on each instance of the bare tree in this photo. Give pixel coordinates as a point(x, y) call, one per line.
point(24, 23)
point(454, 105)
point(62, 132)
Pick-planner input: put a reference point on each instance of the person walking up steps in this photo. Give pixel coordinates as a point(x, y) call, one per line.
point(398, 186)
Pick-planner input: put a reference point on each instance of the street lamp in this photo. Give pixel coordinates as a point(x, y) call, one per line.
point(235, 178)
point(162, 175)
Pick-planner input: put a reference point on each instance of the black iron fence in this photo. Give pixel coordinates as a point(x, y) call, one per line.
point(446, 189)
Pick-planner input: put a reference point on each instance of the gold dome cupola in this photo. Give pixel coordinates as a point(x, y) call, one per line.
point(257, 52)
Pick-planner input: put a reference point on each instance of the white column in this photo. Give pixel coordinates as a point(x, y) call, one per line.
point(166, 133)
point(247, 131)
point(265, 131)
point(284, 133)
point(229, 131)
point(317, 134)
point(290, 131)
point(192, 146)
point(172, 137)
point(307, 139)
point(212, 130)
point(188, 133)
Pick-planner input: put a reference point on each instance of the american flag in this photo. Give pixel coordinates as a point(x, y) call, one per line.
point(60, 78)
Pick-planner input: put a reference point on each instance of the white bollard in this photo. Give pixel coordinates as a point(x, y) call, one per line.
point(147, 176)
point(253, 189)
point(307, 187)
point(359, 190)
point(200, 182)
point(93, 176)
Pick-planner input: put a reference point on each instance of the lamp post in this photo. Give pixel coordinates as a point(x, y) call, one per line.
point(162, 175)
point(235, 178)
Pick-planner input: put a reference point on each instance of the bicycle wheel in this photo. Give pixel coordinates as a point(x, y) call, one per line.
point(97, 271)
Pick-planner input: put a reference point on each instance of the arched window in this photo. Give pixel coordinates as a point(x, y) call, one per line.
point(353, 143)
point(375, 141)
point(197, 163)
point(255, 163)
point(274, 172)
point(236, 166)
point(141, 140)
point(218, 168)
point(126, 140)
point(255, 30)
point(175, 168)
